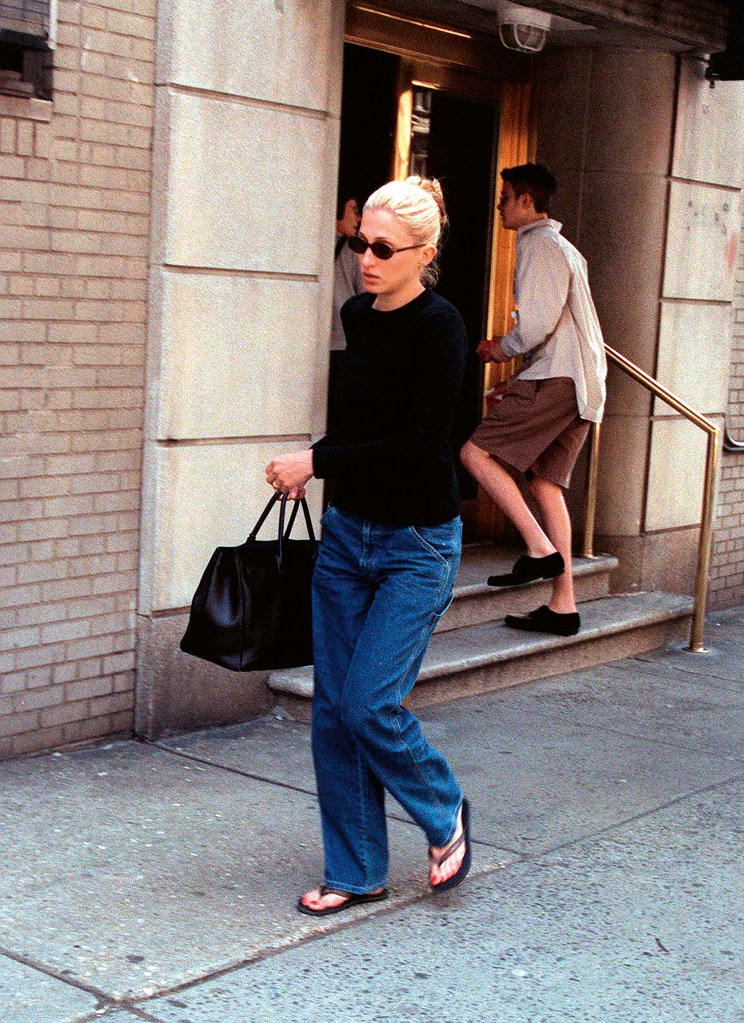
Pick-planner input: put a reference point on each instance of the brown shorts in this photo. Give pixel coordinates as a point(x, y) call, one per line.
point(536, 428)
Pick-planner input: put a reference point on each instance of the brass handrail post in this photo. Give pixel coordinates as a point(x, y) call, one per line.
point(590, 506)
point(705, 543)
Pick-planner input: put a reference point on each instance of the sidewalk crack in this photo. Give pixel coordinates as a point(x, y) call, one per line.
point(636, 817)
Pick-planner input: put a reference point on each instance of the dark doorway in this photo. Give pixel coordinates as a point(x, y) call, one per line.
point(368, 118)
point(453, 138)
point(460, 151)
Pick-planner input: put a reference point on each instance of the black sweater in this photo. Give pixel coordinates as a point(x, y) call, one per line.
point(390, 454)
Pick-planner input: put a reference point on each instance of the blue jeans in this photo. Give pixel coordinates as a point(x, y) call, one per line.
point(378, 592)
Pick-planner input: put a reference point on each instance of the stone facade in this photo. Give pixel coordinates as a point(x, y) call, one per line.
point(650, 165)
point(170, 215)
point(247, 129)
point(74, 210)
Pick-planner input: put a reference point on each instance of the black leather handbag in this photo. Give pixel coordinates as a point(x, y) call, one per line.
point(251, 610)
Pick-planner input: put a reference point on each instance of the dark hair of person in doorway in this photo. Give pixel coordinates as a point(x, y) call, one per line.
point(344, 197)
point(536, 180)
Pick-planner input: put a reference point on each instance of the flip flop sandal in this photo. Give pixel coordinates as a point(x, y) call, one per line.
point(350, 899)
point(464, 867)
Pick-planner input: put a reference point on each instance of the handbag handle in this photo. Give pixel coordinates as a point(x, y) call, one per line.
point(293, 516)
point(283, 535)
point(263, 516)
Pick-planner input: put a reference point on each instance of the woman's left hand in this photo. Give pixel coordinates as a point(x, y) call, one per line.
point(289, 473)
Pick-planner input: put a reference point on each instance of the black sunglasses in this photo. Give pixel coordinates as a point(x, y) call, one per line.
point(380, 249)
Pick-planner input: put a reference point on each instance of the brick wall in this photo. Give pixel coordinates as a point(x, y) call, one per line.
point(74, 227)
point(727, 565)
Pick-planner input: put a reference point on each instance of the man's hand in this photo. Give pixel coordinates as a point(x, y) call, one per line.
point(496, 394)
point(490, 350)
point(289, 473)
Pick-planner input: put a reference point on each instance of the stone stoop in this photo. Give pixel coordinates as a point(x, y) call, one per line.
point(473, 652)
point(476, 602)
point(480, 659)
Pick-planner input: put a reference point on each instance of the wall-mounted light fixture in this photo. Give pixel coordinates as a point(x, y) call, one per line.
point(522, 28)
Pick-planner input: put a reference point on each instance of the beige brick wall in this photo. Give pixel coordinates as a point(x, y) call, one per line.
point(727, 564)
point(74, 235)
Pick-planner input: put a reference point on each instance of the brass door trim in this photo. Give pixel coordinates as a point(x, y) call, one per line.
point(437, 42)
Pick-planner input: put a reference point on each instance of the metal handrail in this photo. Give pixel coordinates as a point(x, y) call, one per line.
point(729, 444)
point(711, 465)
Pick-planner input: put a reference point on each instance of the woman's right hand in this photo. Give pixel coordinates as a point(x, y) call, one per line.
point(290, 472)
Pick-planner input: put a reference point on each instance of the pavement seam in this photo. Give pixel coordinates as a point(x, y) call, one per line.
point(119, 1007)
point(635, 735)
point(507, 849)
point(405, 901)
point(106, 1001)
point(132, 1004)
point(136, 1011)
point(687, 672)
point(51, 971)
point(230, 769)
point(320, 932)
point(632, 820)
point(301, 791)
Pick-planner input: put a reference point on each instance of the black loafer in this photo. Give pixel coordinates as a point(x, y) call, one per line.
point(526, 569)
point(542, 619)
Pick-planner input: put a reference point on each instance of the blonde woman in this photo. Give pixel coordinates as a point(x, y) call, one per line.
point(389, 555)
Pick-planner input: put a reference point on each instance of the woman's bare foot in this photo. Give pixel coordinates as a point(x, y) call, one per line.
point(316, 900)
point(320, 900)
point(439, 872)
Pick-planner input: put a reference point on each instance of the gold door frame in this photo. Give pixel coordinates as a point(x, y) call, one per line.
point(517, 144)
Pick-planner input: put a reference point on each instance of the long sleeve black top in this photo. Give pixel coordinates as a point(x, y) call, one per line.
point(390, 453)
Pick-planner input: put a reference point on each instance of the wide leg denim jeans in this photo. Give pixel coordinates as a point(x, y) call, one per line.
point(378, 592)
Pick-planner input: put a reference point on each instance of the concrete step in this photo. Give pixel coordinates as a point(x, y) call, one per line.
point(482, 658)
point(475, 602)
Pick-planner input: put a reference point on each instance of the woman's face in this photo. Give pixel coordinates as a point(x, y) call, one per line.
point(402, 270)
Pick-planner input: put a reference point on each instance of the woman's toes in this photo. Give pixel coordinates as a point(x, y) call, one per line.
point(322, 900)
point(316, 900)
point(448, 868)
point(441, 872)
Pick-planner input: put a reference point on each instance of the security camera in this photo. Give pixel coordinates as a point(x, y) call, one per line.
point(522, 28)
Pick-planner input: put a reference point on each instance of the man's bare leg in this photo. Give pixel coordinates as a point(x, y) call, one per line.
point(504, 492)
point(554, 512)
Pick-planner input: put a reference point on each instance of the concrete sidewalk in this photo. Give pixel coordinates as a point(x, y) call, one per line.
point(157, 882)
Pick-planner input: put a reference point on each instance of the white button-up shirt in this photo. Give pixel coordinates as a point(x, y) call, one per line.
point(347, 281)
point(557, 328)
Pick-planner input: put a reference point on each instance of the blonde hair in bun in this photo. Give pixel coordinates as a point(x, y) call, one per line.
point(419, 204)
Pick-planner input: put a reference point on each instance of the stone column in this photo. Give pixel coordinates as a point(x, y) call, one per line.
point(605, 127)
point(696, 328)
point(245, 160)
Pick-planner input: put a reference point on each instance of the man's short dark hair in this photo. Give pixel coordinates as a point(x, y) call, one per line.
point(343, 196)
point(536, 180)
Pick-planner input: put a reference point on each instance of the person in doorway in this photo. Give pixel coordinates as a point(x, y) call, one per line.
point(347, 281)
point(540, 423)
point(389, 555)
